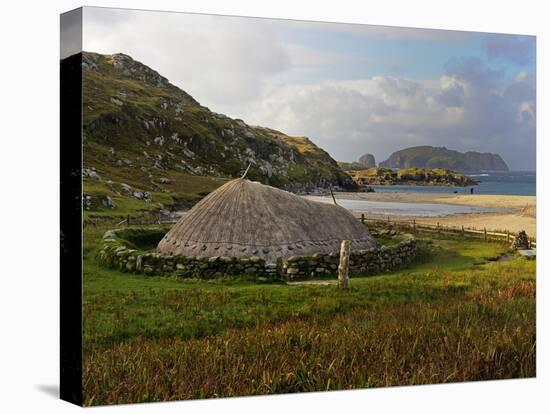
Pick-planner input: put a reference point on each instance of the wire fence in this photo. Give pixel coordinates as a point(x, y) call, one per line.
point(412, 225)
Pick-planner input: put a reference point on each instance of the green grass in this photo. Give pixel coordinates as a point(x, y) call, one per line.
point(453, 315)
point(184, 191)
point(114, 134)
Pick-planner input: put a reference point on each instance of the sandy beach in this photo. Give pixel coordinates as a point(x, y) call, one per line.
point(522, 215)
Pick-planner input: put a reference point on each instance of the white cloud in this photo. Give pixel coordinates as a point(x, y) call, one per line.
point(242, 67)
point(521, 76)
point(463, 109)
point(219, 59)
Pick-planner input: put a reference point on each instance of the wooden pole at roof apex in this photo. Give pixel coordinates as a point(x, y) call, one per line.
point(333, 198)
point(246, 171)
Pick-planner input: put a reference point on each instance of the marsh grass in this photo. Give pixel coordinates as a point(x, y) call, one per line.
point(452, 316)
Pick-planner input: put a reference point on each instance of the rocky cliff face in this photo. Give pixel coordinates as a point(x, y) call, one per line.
point(137, 124)
point(367, 160)
point(441, 157)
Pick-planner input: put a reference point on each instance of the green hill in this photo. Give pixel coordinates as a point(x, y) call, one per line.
point(441, 157)
point(149, 144)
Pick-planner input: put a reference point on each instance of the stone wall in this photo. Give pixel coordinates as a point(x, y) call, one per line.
point(116, 253)
point(363, 262)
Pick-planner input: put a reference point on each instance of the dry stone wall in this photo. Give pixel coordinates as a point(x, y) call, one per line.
point(115, 252)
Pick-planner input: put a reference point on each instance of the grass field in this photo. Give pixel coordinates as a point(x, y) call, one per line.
point(454, 315)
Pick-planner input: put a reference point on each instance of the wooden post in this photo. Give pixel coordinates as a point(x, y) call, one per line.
point(414, 225)
point(507, 236)
point(462, 231)
point(362, 218)
point(389, 223)
point(128, 220)
point(485, 233)
point(343, 266)
point(438, 226)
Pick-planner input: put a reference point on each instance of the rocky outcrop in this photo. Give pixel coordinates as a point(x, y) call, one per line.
point(411, 176)
point(367, 160)
point(521, 242)
point(130, 109)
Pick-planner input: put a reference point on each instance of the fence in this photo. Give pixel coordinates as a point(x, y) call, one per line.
point(412, 225)
point(504, 237)
point(148, 219)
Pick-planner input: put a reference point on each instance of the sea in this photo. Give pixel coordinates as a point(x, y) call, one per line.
point(503, 183)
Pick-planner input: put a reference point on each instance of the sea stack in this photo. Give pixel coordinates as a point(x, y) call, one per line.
point(367, 160)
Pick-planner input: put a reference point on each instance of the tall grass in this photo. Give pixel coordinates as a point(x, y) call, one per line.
point(452, 316)
point(377, 345)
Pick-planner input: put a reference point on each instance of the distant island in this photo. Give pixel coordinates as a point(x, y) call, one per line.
point(440, 157)
point(365, 178)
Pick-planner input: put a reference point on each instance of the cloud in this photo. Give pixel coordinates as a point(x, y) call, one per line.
point(221, 59)
point(400, 33)
point(517, 49)
point(70, 33)
point(467, 108)
point(249, 69)
point(521, 76)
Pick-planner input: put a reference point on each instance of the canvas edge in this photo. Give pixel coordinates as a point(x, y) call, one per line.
point(71, 207)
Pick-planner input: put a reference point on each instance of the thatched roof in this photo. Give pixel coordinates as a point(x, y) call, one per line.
point(244, 218)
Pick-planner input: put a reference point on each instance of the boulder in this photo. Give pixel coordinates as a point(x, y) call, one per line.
point(521, 242)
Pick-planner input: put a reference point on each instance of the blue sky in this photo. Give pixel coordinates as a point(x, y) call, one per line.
point(414, 57)
point(350, 88)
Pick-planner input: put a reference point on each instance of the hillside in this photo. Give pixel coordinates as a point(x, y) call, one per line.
point(148, 142)
point(441, 157)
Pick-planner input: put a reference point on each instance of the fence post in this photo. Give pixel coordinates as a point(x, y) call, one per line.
point(414, 225)
point(438, 226)
point(128, 220)
point(462, 231)
point(485, 233)
point(388, 220)
point(362, 218)
point(343, 266)
point(507, 236)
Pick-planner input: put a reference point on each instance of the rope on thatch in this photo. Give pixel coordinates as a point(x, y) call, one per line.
point(246, 171)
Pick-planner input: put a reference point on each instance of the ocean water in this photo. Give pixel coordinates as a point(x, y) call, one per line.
point(505, 183)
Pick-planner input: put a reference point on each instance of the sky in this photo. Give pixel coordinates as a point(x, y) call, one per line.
point(350, 88)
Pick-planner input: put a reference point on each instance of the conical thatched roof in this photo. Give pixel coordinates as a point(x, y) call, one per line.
point(244, 218)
